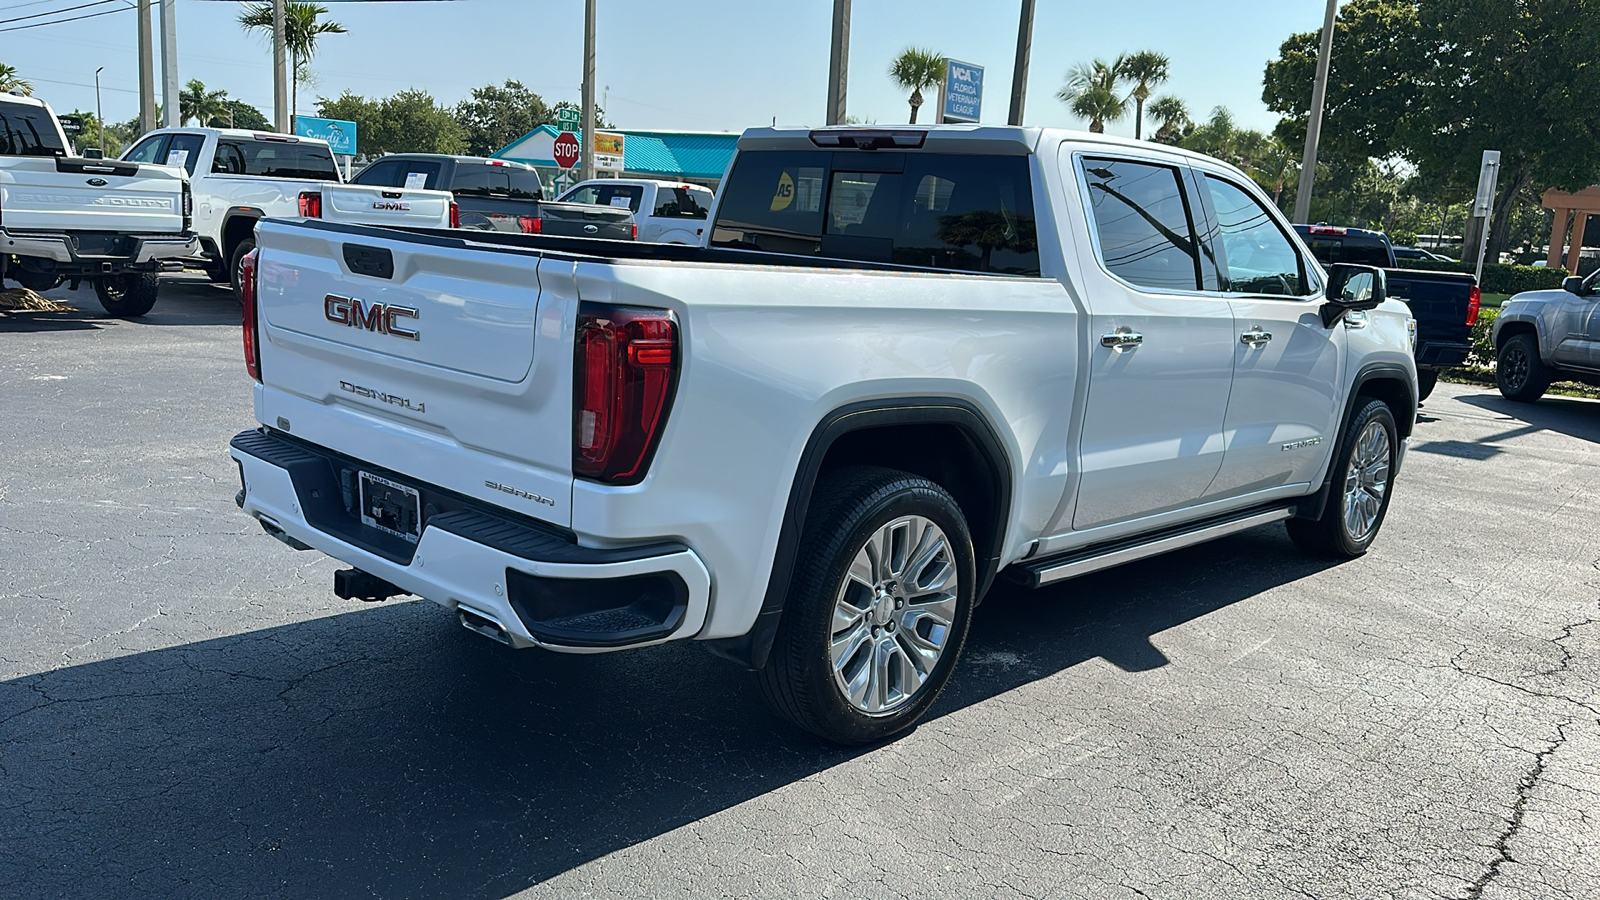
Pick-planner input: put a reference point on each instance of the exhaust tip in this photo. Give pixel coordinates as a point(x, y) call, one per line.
point(483, 625)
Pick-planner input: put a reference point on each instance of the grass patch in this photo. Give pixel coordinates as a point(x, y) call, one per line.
point(1493, 301)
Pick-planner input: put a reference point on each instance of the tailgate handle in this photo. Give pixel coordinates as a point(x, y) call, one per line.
point(392, 195)
point(375, 262)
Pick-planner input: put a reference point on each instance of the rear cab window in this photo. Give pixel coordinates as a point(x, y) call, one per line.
point(274, 159)
point(489, 180)
point(401, 173)
point(630, 196)
point(944, 211)
point(29, 131)
point(682, 203)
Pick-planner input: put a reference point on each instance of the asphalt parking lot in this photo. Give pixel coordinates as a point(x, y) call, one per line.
point(186, 710)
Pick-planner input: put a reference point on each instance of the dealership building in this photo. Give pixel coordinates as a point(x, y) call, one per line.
point(695, 157)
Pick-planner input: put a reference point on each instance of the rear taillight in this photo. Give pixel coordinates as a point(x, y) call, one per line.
point(635, 231)
point(252, 324)
point(626, 371)
point(530, 224)
point(455, 214)
point(188, 206)
point(1474, 302)
point(311, 204)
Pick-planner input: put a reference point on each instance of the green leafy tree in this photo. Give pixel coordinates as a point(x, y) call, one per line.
point(1091, 93)
point(239, 114)
point(989, 230)
point(89, 135)
point(1173, 115)
point(201, 105)
point(303, 27)
point(915, 70)
point(10, 81)
point(496, 115)
point(1426, 81)
point(1147, 70)
point(1262, 156)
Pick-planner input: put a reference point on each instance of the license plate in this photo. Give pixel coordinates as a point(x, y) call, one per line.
point(389, 507)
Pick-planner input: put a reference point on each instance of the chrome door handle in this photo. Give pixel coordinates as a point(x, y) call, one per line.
point(1255, 337)
point(1121, 339)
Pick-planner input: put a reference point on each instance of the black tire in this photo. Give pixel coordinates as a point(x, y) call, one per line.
point(1427, 379)
point(128, 295)
point(219, 274)
point(1334, 534)
point(849, 507)
point(235, 261)
point(1519, 372)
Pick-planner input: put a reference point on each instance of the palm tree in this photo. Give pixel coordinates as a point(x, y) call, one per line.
point(302, 26)
point(915, 69)
point(1146, 69)
point(201, 105)
point(1091, 93)
point(1173, 116)
point(10, 82)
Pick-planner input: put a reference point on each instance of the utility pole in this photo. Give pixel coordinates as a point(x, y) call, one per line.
point(839, 62)
point(147, 70)
point(1019, 75)
point(280, 73)
point(169, 63)
point(99, 112)
point(1319, 92)
point(586, 148)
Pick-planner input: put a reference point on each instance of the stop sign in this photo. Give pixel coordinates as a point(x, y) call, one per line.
point(566, 150)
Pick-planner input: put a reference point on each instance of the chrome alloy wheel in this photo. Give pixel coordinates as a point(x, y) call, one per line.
point(893, 615)
point(1366, 480)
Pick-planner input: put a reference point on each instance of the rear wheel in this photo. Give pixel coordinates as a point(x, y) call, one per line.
point(878, 608)
point(1362, 475)
point(1519, 372)
point(128, 295)
point(1427, 379)
point(236, 264)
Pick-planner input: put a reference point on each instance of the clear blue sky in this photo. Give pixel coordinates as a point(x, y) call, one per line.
point(708, 64)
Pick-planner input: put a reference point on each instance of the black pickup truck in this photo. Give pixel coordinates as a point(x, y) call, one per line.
point(1444, 303)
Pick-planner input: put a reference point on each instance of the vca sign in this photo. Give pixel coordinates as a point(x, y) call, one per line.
point(376, 317)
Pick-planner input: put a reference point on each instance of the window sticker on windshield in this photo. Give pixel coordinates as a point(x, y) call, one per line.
point(620, 201)
point(785, 193)
point(416, 180)
point(178, 158)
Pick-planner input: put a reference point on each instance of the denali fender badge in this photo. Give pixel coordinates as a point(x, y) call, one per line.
point(515, 492)
point(1301, 445)
point(373, 317)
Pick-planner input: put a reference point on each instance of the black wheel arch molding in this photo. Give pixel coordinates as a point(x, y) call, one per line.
point(751, 648)
point(1312, 505)
point(233, 214)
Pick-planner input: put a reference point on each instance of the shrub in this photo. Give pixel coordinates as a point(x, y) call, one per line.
point(1482, 355)
point(1498, 278)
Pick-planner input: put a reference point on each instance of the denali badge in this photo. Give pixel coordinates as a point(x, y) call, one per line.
point(98, 182)
point(374, 317)
point(381, 397)
point(1301, 445)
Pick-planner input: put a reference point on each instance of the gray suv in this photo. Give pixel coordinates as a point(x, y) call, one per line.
point(1546, 336)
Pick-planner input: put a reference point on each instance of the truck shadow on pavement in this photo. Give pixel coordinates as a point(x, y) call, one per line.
point(1571, 416)
point(387, 752)
point(183, 301)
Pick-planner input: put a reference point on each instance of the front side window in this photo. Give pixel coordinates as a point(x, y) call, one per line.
point(384, 173)
point(29, 131)
point(1142, 221)
point(1257, 256)
point(147, 150)
point(948, 211)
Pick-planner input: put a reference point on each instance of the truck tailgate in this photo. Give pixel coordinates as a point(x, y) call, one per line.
point(443, 364)
point(63, 194)
point(587, 220)
point(359, 204)
point(1438, 300)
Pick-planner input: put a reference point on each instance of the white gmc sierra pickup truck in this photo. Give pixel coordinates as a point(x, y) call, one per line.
point(909, 359)
point(63, 218)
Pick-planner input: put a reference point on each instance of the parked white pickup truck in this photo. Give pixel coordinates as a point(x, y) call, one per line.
point(68, 219)
point(911, 359)
point(240, 177)
point(666, 212)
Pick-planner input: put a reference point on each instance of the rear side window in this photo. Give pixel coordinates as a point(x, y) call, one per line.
point(1257, 255)
point(681, 203)
point(184, 151)
point(275, 159)
point(29, 131)
point(483, 180)
point(620, 195)
point(1143, 224)
point(955, 212)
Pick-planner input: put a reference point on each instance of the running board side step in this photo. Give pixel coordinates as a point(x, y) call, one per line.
point(1038, 573)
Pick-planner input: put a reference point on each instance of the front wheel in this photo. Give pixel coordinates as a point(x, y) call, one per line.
point(1362, 477)
point(878, 608)
point(128, 295)
point(1519, 371)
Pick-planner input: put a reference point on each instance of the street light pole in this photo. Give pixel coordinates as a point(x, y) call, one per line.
point(280, 72)
point(839, 63)
point(99, 114)
point(1019, 75)
point(147, 70)
point(1319, 92)
point(586, 150)
point(169, 63)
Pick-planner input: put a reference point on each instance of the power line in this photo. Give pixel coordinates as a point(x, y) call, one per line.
point(57, 12)
point(93, 15)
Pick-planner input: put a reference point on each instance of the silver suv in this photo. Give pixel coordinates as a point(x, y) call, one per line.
point(1546, 336)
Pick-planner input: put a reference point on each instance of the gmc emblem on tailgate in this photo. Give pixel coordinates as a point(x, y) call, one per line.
point(373, 317)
